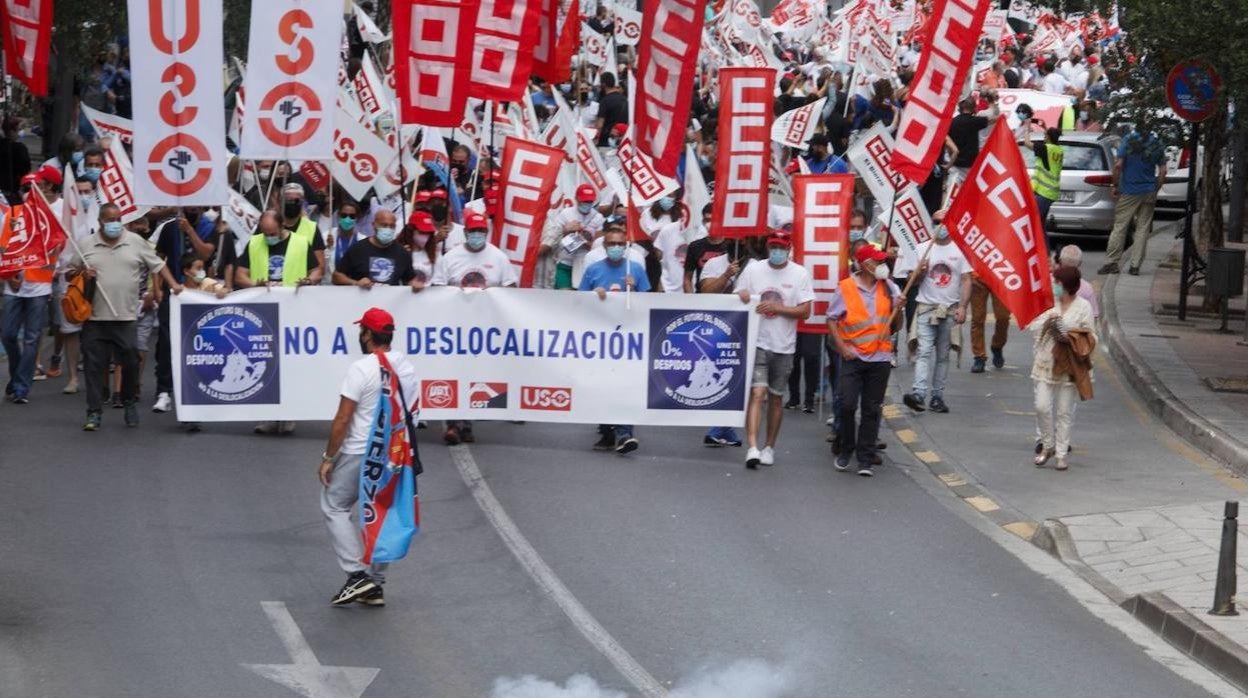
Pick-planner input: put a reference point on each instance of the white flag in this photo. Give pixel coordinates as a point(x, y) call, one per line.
point(359, 155)
point(795, 127)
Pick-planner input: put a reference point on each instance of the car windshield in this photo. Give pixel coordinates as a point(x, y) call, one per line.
point(1079, 157)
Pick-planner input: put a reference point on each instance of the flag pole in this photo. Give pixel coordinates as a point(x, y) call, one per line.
point(914, 275)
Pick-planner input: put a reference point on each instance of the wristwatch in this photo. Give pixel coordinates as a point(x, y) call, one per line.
point(326, 458)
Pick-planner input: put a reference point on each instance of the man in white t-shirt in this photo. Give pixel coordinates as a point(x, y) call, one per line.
point(339, 471)
point(944, 292)
point(578, 226)
point(474, 264)
point(785, 294)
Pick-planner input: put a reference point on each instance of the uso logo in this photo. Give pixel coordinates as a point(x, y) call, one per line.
point(439, 394)
point(229, 354)
point(548, 399)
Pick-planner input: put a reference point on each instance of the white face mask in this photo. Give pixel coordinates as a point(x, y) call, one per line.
point(882, 272)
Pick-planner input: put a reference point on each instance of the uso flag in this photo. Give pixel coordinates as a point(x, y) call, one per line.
point(995, 222)
point(389, 506)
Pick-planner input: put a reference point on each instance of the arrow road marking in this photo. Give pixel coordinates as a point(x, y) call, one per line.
point(307, 676)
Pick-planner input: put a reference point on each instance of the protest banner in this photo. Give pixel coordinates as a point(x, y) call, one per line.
point(109, 124)
point(530, 171)
point(795, 127)
point(27, 39)
point(744, 151)
point(996, 223)
point(667, 58)
point(358, 155)
point(497, 353)
point(176, 59)
point(31, 237)
point(902, 207)
point(433, 39)
point(116, 183)
point(822, 205)
point(502, 55)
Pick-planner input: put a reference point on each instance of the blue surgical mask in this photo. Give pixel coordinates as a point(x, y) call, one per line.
point(615, 253)
point(1058, 291)
point(112, 230)
point(856, 234)
point(942, 233)
point(92, 174)
point(347, 223)
point(778, 256)
point(475, 240)
point(385, 235)
point(85, 201)
point(666, 203)
point(584, 207)
point(77, 157)
point(272, 239)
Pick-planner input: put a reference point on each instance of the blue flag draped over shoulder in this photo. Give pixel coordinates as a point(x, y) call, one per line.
point(389, 505)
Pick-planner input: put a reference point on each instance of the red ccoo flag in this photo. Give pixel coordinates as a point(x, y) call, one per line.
point(667, 59)
point(433, 39)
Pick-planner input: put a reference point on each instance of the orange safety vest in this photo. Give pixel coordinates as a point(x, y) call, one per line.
point(860, 330)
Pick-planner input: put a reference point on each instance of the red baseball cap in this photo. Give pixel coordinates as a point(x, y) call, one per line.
point(780, 238)
point(377, 320)
point(31, 178)
point(438, 194)
point(619, 129)
point(422, 221)
point(50, 174)
point(586, 194)
point(423, 196)
point(869, 252)
point(475, 221)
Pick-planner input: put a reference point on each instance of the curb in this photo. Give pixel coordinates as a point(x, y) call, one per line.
point(1173, 412)
point(1156, 611)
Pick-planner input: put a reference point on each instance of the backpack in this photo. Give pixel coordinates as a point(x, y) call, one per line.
point(76, 303)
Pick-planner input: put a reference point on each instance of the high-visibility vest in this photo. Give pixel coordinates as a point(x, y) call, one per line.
point(1047, 181)
point(858, 328)
point(1068, 118)
point(306, 230)
point(294, 268)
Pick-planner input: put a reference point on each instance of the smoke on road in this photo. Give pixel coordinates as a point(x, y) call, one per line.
point(744, 678)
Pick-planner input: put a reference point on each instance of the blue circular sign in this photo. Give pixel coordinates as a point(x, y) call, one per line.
point(1193, 90)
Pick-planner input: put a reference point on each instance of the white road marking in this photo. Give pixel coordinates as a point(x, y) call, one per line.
point(307, 676)
point(546, 578)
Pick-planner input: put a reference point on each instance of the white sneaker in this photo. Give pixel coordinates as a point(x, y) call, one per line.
point(163, 403)
point(830, 421)
point(767, 456)
point(752, 457)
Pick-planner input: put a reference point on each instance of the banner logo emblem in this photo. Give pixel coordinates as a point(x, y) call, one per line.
point(229, 354)
point(697, 359)
point(489, 396)
point(549, 399)
point(439, 394)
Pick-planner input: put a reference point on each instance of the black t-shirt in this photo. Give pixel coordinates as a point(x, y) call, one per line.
point(390, 265)
point(964, 132)
point(702, 251)
point(277, 258)
point(613, 109)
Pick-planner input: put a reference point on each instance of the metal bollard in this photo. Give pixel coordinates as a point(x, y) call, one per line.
point(1224, 592)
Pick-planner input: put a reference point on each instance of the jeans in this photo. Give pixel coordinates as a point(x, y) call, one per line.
point(337, 505)
point(102, 341)
point(934, 343)
point(724, 433)
point(620, 431)
point(164, 350)
point(24, 322)
point(805, 363)
point(865, 382)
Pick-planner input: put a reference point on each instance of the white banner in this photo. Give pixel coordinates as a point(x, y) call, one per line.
point(292, 75)
point(116, 183)
point(176, 59)
point(627, 25)
point(242, 218)
point(795, 127)
point(109, 124)
point(871, 156)
point(498, 353)
point(359, 155)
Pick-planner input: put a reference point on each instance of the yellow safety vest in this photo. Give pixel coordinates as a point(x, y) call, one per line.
point(294, 268)
point(1047, 182)
point(1068, 118)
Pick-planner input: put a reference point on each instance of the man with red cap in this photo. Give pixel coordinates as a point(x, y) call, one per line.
point(861, 323)
point(349, 439)
point(474, 264)
point(784, 293)
point(577, 227)
point(378, 259)
point(449, 232)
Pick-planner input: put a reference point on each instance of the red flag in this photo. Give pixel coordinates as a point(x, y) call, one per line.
point(947, 56)
point(530, 171)
point(502, 56)
point(557, 66)
point(667, 58)
point(822, 205)
point(27, 33)
point(434, 38)
point(995, 221)
point(743, 163)
point(31, 237)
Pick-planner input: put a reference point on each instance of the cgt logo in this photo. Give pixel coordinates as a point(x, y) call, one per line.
point(487, 396)
point(549, 399)
point(439, 394)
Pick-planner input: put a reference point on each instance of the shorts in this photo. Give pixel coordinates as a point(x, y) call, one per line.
point(563, 276)
point(143, 331)
point(57, 319)
point(772, 370)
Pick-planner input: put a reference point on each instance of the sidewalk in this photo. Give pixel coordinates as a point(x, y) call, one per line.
point(1139, 513)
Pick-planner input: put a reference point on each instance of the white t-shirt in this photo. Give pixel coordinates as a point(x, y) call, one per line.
point(670, 240)
point(363, 385)
point(943, 282)
point(1054, 82)
point(590, 223)
point(454, 237)
point(421, 266)
point(790, 285)
point(484, 269)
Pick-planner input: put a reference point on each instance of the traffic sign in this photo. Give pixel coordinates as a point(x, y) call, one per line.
point(1193, 88)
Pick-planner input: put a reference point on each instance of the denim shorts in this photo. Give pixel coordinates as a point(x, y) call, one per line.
point(772, 370)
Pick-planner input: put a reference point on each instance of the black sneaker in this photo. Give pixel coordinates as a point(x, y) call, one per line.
point(913, 401)
point(1109, 268)
point(808, 408)
point(1039, 447)
point(628, 445)
point(118, 403)
point(132, 414)
point(872, 460)
point(937, 404)
point(865, 470)
point(790, 405)
point(21, 400)
point(93, 422)
point(977, 366)
point(376, 597)
point(842, 463)
point(606, 443)
point(714, 441)
point(358, 584)
point(998, 358)
point(1133, 271)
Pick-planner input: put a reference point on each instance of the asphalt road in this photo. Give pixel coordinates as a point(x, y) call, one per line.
point(135, 563)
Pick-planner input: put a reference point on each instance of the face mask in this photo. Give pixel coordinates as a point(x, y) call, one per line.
point(856, 234)
point(385, 236)
point(92, 174)
point(1083, 116)
point(422, 239)
point(584, 208)
point(942, 233)
point(292, 209)
point(1058, 291)
point(778, 256)
point(84, 200)
point(266, 173)
point(882, 272)
point(475, 240)
point(199, 276)
point(438, 212)
point(112, 230)
point(347, 223)
point(77, 157)
point(615, 253)
point(363, 346)
point(666, 203)
point(272, 240)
